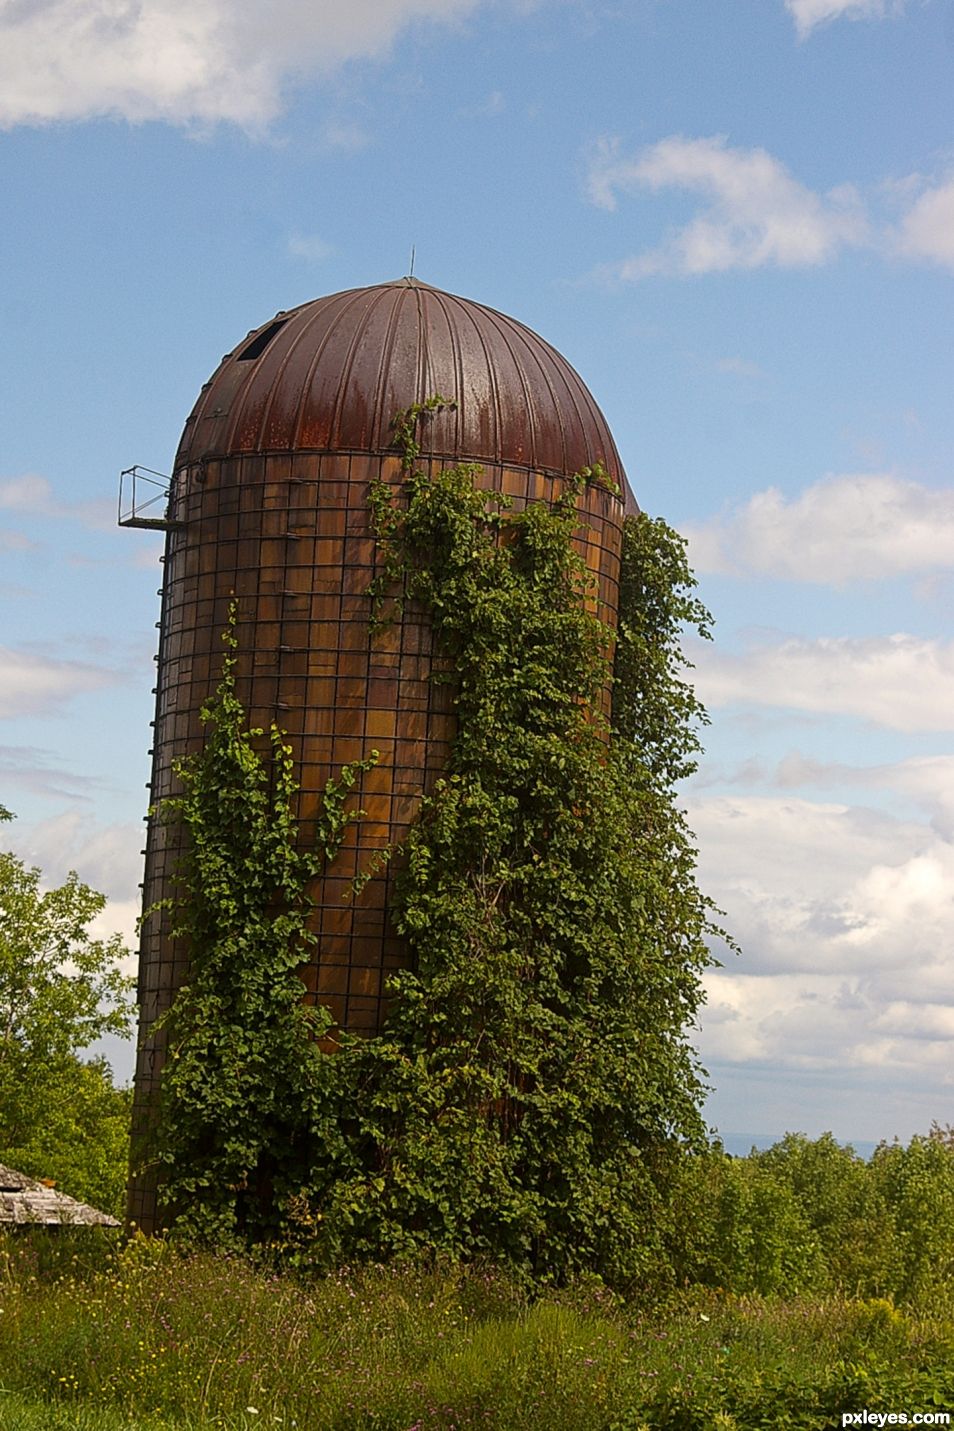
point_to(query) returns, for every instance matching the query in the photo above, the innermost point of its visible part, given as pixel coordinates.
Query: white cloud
(841, 529)
(345, 135)
(799, 879)
(34, 496)
(809, 13)
(36, 772)
(927, 230)
(830, 1024)
(34, 683)
(106, 857)
(309, 246)
(29, 493)
(120, 916)
(758, 214)
(845, 916)
(927, 780)
(904, 682)
(924, 783)
(187, 61)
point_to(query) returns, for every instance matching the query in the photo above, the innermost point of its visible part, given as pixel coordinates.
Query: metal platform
(144, 499)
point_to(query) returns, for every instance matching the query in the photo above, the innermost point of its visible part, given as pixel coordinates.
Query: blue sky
(736, 219)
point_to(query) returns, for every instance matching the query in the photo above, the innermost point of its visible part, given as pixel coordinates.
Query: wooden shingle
(25, 1201)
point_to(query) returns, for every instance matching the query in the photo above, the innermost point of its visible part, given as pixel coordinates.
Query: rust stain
(330, 375)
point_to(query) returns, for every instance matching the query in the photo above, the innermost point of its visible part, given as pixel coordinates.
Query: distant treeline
(811, 1215)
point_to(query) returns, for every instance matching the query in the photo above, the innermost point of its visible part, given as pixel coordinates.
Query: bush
(844, 1207)
(916, 1184)
(739, 1227)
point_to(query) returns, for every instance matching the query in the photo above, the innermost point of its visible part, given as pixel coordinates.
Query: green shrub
(811, 1215)
(916, 1184)
(737, 1226)
(844, 1207)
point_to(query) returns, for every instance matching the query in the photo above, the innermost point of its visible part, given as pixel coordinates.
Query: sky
(735, 218)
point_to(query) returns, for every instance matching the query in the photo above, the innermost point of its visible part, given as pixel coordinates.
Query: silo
(269, 501)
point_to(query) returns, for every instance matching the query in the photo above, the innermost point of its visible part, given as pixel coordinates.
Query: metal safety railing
(144, 499)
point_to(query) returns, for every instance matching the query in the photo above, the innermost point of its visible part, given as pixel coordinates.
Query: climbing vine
(534, 1082)
(244, 1081)
(534, 1087)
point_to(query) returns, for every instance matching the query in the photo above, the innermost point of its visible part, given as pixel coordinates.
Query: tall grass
(791, 1287)
(18, 1413)
(143, 1336)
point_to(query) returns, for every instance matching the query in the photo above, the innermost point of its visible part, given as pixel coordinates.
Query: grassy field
(19, 1413)
(98, 1338)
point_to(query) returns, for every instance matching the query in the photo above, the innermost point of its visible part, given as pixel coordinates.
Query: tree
(60, 990)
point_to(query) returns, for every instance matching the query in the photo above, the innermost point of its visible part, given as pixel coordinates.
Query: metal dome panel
(330, 375)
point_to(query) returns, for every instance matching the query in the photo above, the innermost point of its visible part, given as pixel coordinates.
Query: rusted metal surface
(264, 509)
(330, 376)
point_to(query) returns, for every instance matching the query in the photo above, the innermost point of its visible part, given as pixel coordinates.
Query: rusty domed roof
(332, 374)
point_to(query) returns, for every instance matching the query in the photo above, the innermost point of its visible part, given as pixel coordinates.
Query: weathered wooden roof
(25, 1200)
